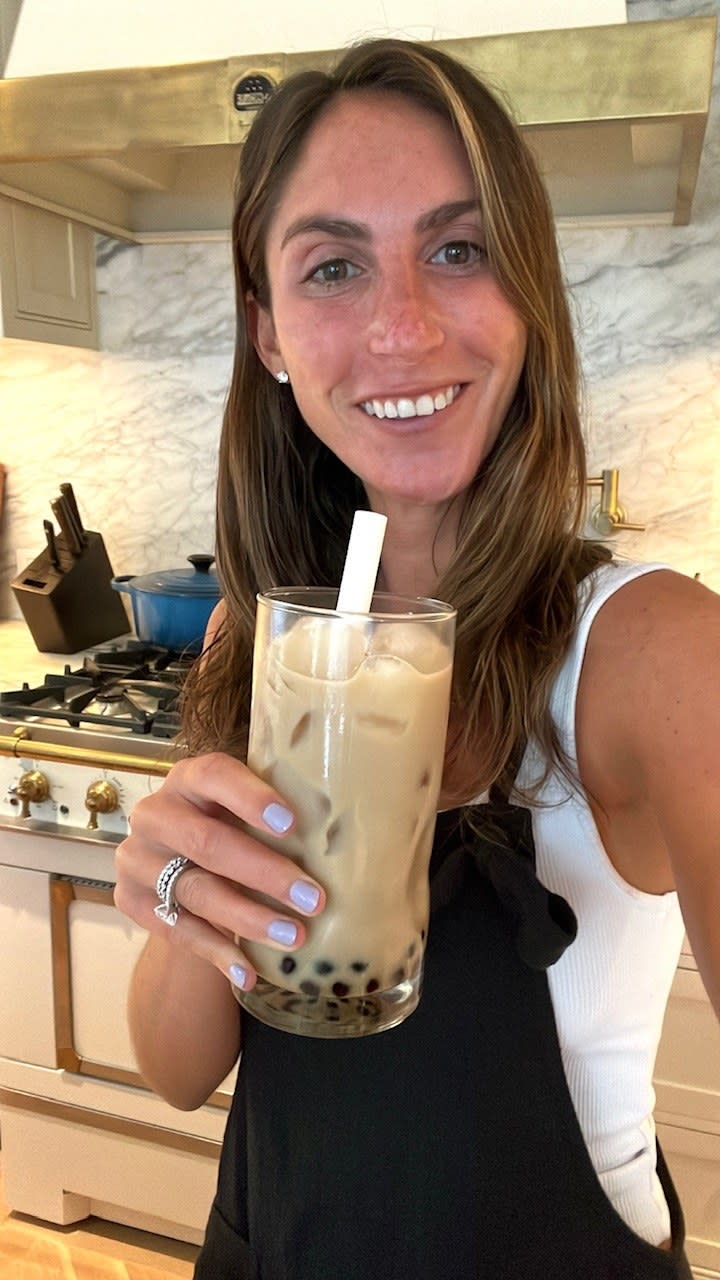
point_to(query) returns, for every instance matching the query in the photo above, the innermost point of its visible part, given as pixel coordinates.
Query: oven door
(81, 1133)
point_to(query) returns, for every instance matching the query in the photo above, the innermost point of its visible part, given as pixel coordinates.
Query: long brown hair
(285, 502)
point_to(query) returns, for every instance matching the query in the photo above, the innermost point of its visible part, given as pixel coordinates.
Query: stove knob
(100, 797)
(32, 788)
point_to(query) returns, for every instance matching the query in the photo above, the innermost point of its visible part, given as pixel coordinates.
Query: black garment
(447, 1148)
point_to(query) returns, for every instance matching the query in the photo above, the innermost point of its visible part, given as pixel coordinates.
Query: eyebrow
(344, 229)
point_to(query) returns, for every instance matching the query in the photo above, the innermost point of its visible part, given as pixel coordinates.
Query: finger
(189, 932)
(220, 779)
(210, 897)
(217, 900)
(174, 825)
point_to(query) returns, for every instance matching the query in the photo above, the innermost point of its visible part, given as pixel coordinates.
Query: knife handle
(68, 493)
(62, 514)
(51, 544)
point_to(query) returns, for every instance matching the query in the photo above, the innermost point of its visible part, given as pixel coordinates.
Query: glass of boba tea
(349, 722)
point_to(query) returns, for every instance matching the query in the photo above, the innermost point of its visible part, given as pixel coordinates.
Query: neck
(418, 546)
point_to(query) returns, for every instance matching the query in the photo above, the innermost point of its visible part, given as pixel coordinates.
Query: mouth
(424, 406)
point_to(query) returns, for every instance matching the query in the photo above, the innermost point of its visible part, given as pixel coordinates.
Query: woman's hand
(209, 809)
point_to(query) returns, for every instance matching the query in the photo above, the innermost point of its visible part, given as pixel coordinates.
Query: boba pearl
(287, 964)
(323, 967)
(359, 966)
(373, 985)
(340, 989)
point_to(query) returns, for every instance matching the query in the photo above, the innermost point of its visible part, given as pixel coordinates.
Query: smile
(423, 407)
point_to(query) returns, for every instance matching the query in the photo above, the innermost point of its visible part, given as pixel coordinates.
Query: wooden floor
(89, 1250)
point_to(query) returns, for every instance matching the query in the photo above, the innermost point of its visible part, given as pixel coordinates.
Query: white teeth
(423, 407)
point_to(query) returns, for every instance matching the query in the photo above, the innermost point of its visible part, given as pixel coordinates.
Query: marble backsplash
(135, 425)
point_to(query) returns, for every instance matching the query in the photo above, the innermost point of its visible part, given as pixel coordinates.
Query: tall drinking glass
(349, 721)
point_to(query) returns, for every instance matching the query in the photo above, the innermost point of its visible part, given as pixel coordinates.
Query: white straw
(362, 562)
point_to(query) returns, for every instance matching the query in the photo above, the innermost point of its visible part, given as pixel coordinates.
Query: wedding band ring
(168, 907)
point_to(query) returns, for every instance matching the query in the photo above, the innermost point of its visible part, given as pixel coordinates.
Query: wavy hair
(285, 502)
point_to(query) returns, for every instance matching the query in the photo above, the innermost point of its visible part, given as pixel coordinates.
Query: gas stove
(130, 689)
(79, 749)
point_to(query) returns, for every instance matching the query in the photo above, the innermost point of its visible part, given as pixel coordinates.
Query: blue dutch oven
(172, 608)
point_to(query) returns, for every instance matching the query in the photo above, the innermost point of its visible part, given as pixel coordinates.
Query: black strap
(544, 923)
(498, 838)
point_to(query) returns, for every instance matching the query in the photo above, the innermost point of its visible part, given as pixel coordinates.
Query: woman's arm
(184, 1024)
(184, 1020)
(648, 725)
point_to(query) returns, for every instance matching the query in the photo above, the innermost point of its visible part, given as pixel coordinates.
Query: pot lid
(198, 580)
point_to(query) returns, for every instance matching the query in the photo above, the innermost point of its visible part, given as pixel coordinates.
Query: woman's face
(402, 350)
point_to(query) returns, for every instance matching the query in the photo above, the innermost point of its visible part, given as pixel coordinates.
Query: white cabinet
(47, 277)
(25, 966)
(81, 1134)
(694, 1161)
(687, 1085)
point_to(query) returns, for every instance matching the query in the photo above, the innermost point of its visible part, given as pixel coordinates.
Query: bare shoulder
(648, 727)
(651, 680)
(656, 641)
(662, 598)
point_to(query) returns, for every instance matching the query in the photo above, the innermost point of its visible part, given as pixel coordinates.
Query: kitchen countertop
(20, 659)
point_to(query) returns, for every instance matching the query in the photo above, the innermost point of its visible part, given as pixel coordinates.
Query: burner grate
(130, 690)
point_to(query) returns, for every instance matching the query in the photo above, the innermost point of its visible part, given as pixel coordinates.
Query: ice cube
(325, 648)
(301, 729)
(383, 724)
(261, 748)
(334, 835)
(415, 643)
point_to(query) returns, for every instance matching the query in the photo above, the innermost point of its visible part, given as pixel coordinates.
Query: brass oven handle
(22, 746)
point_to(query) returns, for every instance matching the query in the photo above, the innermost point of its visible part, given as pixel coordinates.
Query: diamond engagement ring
(168, 906)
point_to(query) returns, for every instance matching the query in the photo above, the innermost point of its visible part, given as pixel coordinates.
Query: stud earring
(282, 375)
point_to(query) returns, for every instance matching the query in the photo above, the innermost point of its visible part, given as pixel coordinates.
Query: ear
(262, 334)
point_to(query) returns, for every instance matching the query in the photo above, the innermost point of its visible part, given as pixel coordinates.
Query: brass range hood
(615, 114)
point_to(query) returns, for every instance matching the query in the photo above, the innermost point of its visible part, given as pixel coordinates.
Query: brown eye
(458, 253)
(334, 271)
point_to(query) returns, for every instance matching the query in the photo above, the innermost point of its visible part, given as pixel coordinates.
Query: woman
(404, 343)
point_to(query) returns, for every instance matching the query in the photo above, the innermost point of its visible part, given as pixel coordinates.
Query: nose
(404, 322)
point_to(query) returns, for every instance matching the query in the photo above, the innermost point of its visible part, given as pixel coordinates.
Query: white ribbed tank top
(610, 988)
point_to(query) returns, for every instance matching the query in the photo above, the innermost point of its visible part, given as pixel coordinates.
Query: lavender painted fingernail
(238, 975)
(278, 818)
(304, 895)
(283, 931)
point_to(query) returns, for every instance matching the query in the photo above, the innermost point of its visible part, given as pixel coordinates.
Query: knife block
(72, 607)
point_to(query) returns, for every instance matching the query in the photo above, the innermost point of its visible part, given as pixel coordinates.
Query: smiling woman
(404, 344)
(390, 307)
(394, 243)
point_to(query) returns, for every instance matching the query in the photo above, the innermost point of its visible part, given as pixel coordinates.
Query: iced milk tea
(349, 720)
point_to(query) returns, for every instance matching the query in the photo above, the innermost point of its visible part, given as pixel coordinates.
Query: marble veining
(166, 300)
(135, 426)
